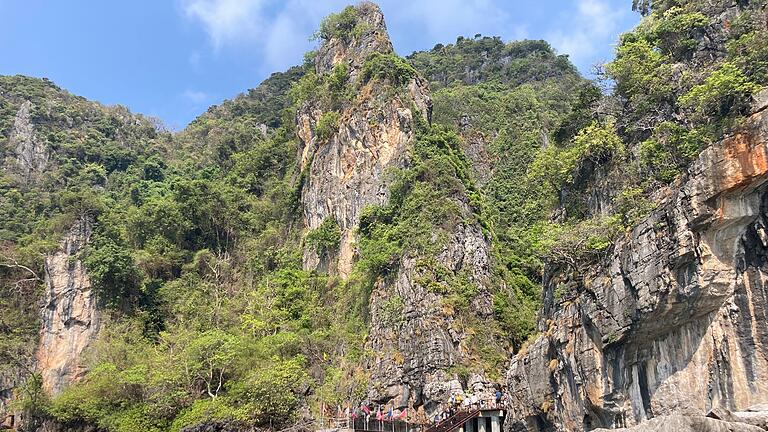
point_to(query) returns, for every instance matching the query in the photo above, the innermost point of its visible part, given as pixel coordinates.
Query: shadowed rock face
(70, 318)
(674, 321)
(414, 350)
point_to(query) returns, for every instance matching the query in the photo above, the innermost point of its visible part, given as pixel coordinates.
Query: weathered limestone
(30, 156)
(673, 322)
(70, 317)
(414, 337)
(425, 339)
(679, 423)
(373, 38)
(349, 171)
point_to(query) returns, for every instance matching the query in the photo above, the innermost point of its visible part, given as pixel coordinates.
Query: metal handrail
(455, 421)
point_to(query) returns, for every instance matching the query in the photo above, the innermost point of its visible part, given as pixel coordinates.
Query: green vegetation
(209, 313)
(724, 91)
(343, 25)
(388, 67)
(511, 99)
(595, 143)
(326, 237)
(327, 125)
(749, 53)
(329, 92)
(488, 59)
(678, 31)
(197, 238)
(678, 96)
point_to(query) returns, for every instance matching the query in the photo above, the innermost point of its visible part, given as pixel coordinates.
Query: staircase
(455, 421)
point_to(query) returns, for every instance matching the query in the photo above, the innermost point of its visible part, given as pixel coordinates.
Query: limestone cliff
(70, 317)
(415, 351)
(29, 155)
(673, 321)
(350, 170)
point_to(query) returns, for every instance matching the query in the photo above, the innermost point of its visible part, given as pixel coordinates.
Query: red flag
(366, 410)
(404, 414)
(379, 415)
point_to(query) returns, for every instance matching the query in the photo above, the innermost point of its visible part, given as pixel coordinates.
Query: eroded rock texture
(349, 170)
(30, 156)
(417, 344)
(70, 317)
(414, 338)
(674, 321)
(680, 423)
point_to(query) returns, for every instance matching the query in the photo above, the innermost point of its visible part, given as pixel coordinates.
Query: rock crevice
(668, 324)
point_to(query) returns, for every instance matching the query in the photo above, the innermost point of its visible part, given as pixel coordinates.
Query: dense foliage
(197, 236)
(685, 76)
(507, 103)
(488, 59)
(343, 25)
(91, 153)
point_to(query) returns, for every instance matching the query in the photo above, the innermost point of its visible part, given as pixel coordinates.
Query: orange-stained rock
(70, 316)
(674, 321)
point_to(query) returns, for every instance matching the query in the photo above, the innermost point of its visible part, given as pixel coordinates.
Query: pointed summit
(351, 36)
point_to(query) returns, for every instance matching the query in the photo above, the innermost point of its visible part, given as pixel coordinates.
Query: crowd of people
(470, 401)
(376, 416)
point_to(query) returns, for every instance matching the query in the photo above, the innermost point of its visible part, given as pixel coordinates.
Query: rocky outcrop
(30, 156)
(70, 317)
(349, 170)
(673, 321)
(680, 423)
(354, 50)
(415, 337)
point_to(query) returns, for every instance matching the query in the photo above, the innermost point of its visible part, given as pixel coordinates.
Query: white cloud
(196, 97)
(279, 30)
(226, 21)
(594, 26)
(282, 28)
(276, 32)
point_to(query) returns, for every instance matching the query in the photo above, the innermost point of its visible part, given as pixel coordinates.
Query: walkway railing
(455, 421)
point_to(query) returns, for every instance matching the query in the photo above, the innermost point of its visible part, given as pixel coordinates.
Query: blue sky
(173, 58)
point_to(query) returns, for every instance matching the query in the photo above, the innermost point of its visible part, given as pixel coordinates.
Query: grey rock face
(418, 341)
(350, 170)
(8, 381)
(30, 156)
(70, 316)
(414, 336)
(673, 322)
(679, 423)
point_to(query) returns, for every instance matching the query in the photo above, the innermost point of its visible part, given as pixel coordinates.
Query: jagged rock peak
(351, 36)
